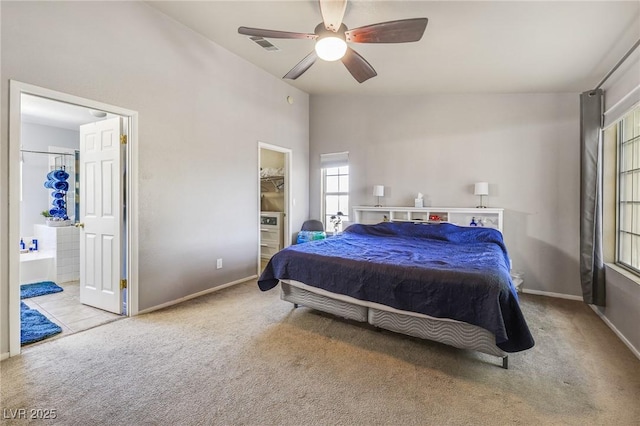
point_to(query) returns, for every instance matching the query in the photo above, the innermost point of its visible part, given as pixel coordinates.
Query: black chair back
(312, 225)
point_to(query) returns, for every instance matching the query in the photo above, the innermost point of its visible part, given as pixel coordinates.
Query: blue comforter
(443, 271)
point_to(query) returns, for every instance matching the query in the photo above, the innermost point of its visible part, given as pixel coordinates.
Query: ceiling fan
(332, 36)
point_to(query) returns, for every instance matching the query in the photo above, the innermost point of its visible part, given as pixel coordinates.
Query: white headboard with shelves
(488, 217)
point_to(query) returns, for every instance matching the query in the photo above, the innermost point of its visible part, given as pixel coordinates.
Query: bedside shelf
(487, 217)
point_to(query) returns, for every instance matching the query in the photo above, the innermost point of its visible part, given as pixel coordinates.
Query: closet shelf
(276, 181)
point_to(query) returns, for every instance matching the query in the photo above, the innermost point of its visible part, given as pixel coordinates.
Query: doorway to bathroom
(274, 170)
(72, 156)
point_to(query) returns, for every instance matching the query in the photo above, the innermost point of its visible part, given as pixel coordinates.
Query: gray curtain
(591, 259)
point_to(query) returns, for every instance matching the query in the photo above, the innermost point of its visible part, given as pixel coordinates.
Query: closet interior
(272, 202)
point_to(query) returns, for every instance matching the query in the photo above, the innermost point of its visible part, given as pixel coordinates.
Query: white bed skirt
(448, 331)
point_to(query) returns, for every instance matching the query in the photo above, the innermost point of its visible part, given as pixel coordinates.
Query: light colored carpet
(240, 356)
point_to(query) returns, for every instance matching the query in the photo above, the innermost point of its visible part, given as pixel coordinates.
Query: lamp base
(481, 203)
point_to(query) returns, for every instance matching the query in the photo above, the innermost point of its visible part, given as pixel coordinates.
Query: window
(628, 241)
(335, 188)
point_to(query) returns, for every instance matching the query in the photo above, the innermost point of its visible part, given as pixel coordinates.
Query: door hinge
(123, 139)
(123, 284)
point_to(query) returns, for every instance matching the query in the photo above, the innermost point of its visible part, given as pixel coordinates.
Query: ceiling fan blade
(359, 68)
(274, 33)
(332, 13)
(302, 66)
(401, 31)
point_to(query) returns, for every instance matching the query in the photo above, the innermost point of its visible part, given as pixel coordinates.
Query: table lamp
(481, 189)
(378, 191)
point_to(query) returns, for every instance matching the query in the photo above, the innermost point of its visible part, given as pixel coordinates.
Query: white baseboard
(615, 330)
(4, 356)
(193, 296)
(550, 294)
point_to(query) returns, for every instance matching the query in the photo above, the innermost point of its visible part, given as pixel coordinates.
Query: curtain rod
(606, 77)
(46, 152)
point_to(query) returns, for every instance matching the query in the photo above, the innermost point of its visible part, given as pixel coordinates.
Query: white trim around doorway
(16, 89)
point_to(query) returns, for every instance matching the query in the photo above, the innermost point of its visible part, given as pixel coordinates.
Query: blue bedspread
(443, 270)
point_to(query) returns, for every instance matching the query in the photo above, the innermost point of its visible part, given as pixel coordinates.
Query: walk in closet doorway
(274, 171)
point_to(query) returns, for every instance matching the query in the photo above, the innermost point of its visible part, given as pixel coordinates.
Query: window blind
(623, 91)
(336, 159)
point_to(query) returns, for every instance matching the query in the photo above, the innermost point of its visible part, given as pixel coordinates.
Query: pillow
(304, 236)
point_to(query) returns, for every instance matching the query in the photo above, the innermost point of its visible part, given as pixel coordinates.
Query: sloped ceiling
(468, 47)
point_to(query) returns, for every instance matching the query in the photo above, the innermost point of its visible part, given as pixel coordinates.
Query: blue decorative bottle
(473, 222)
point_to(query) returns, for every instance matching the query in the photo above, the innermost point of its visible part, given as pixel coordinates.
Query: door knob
(79, 225)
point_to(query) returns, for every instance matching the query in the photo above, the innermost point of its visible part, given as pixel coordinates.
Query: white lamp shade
(378, 190)
(481, 188)
(331, 48)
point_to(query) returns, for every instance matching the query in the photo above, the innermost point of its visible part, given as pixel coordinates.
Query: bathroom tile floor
(64, 308)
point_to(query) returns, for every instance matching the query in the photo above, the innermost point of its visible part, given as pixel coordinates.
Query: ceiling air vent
(263, 43)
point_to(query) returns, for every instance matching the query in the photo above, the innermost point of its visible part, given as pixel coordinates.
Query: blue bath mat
(34, 326)
(38, 289)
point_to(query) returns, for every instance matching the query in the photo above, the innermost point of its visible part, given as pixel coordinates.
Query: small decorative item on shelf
(336, 220)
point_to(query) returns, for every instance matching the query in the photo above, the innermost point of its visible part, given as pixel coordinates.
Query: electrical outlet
(219, 264)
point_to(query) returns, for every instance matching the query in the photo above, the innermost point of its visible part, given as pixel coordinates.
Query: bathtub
(37, 266)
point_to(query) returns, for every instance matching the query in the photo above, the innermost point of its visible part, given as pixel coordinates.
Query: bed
(440, 282)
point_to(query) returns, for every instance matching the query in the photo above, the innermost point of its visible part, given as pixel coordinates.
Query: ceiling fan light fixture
(331, 48)
(332, 35)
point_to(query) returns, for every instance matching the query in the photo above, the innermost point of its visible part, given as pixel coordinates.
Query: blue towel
(58, 194)
(59, 174)
(60, 186)
(59, 203)
(59, 212)
(57, 185)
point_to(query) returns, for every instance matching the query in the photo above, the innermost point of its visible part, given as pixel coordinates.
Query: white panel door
(101, 214)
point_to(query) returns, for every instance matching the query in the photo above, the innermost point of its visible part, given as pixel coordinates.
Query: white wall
(526, 146)
(202, 111)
